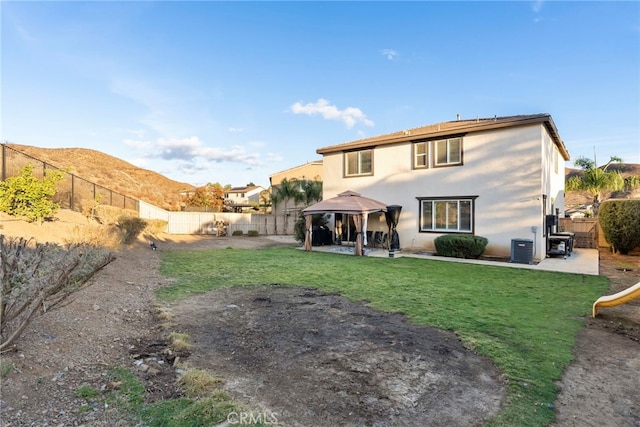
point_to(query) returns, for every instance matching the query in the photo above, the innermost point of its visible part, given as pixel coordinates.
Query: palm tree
(265, 200)
(311, 192)
(596, 180)
(284, 192)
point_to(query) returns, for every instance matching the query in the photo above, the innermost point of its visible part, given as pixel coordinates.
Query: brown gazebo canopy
(348, 202)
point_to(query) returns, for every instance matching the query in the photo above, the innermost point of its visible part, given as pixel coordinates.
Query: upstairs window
(421, 155)
(442, 152)
(359, 163)
(448, 152)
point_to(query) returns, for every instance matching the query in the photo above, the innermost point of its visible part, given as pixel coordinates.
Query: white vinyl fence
(209, 222)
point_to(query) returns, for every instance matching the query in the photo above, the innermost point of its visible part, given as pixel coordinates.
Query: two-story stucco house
(493, 177)
(244, 199)
(310, 171)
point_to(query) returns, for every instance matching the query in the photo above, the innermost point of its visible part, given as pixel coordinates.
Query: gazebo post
(357, 220)
(346, 203)
(307, 235)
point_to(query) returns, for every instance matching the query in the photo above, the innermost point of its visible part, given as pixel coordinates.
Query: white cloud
(349, 116)
(139, 133)
(236, 130)
(191, 149)
(537, 5)
(136, 143)
(390, 54)
(274, 157)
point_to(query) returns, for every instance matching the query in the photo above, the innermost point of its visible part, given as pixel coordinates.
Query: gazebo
(348, 202)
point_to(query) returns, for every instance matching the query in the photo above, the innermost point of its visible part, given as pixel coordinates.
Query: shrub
(131, 227)
(109, 215)
(620, 222)
(237, 233)
(27, 196)
(253, 233)
(155, 226)
(95, 235)
(36, 278)
(299, 227)
(461, 245)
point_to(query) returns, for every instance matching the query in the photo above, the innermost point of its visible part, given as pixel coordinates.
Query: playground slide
(621, 297)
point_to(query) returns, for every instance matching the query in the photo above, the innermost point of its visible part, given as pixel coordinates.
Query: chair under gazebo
(351, 203)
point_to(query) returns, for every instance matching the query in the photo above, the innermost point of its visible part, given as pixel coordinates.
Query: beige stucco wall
(503, 168)
(311, 171)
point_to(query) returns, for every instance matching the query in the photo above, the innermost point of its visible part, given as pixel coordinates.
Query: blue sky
(232, 92)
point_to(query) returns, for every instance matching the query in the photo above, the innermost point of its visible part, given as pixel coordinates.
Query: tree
(311, 192)
(620, 222)
(26, 196)
(596, 180)
(284, 192)
(209, 196)
(265, 200)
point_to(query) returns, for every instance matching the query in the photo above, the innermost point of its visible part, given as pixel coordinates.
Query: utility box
(522, 251)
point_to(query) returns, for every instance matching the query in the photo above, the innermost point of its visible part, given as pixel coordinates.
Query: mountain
(578, 198)
(112, 173)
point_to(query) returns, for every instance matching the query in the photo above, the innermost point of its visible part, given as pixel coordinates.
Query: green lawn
(526, 321)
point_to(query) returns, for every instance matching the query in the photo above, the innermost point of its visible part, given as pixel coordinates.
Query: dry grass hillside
(112, 173)
(125, 178)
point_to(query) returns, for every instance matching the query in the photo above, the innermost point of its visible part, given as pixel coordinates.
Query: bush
(109, 215)
(461, 245)
(131, 227)
(36, 278)
(95, 235)
(620, 222)
(27, 196)
(253, 233)
(299, 227)
(155, 226)
(237, 233)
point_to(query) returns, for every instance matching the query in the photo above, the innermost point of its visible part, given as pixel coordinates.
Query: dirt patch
(312, 358)
(602, 385)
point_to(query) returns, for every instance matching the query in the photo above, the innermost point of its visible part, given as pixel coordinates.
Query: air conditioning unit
(522, 251)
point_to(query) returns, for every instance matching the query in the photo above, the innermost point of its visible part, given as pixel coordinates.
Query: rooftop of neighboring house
(453, 128)
(245, 189)
(310, 170)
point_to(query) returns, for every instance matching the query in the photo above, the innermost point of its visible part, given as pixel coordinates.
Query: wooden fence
(213, 222)
(587, 232)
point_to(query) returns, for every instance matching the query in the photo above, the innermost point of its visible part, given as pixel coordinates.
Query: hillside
(113, 173)
(578, 198)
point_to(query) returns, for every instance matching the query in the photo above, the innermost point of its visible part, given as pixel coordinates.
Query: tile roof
(242, 189)
(453, 128)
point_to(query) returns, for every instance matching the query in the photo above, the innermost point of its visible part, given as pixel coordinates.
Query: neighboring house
(310, 171)
(493, 177)
(243, 199)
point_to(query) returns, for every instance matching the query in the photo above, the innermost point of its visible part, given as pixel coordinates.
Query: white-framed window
(447, 215)
(555, 160)
(421, 154)
(448, 152)
(358, 163)
(441, 152)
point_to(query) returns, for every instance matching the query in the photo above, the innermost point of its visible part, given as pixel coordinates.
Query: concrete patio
(581, 261)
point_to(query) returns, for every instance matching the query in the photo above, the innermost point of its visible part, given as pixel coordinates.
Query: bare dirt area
(311, 358)
(602, 386)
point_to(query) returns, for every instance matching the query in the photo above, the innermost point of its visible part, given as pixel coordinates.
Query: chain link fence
(73, 193)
